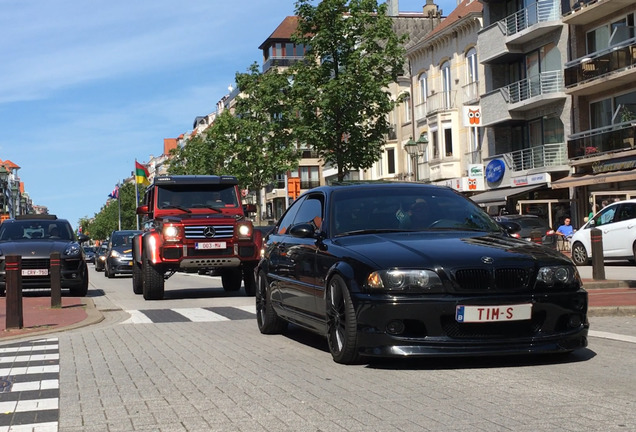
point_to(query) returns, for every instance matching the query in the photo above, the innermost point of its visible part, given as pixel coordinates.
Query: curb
(604, 311)
(93, 316)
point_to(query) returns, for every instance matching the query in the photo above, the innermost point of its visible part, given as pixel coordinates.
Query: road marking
(200, 315)
(612, 336)
(210, 314)
(29, 390)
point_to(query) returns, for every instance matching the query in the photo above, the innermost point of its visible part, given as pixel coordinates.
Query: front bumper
(558, 324)
(73, 273)
(121, 265)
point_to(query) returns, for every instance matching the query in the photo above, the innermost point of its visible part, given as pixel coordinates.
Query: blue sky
(87, 87)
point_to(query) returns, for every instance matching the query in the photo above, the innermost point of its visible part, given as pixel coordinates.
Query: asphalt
(608, 297)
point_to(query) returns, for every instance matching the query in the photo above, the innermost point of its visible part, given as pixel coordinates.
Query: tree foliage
(107, 220)
(254, 142)
(342, 88)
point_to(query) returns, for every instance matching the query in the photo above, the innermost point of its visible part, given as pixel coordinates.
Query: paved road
(221, 374)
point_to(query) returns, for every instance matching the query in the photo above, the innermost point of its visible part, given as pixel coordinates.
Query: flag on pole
(141, 174)
(115, 193)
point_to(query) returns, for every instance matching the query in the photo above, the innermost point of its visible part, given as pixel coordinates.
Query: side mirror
(303, 230)
(142, 210)
(83, 238)
(249, 208)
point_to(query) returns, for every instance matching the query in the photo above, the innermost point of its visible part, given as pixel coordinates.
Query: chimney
(392, 9)
(430, 9)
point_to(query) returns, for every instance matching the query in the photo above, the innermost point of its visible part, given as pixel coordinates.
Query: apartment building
(600, 77)
(446, 148)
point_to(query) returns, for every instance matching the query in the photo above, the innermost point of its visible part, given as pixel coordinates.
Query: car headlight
(557, 275)
(172, 233)
(114, 254)
(72, 250)
(244, 231)
(406, 281)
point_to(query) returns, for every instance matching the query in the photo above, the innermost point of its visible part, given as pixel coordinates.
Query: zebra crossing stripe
(209, 314)
(200, 315)
(29, 386)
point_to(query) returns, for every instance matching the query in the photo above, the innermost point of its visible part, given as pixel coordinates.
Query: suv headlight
(244, 230)
(406, 281)
(557, 275)
(114, 254)
(172, 233)
(72, 250)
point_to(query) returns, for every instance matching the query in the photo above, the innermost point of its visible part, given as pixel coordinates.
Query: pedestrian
(565, 230)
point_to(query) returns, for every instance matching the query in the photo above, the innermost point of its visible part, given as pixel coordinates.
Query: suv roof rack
(36, 216)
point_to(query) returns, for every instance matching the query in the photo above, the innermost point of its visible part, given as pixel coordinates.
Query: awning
(603, 178)
(499, 196)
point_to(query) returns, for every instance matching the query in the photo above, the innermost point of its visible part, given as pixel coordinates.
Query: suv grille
(199, 232)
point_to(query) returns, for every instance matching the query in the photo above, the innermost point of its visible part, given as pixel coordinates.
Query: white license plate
(472, 314)
(210, 245)
(35, 272)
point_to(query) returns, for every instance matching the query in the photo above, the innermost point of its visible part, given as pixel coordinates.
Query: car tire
(342, 336)
(249, 279)
(137, 279)
(231, 279)
(153, 281)
(579, 254)
(80, 291)
(266, 318)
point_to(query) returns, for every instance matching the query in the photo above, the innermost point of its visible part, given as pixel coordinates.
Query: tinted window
(627, 211)
(310, 211)
(288, 217)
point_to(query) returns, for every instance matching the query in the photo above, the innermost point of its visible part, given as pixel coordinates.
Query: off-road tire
(153, 281)
(137, 279)
(249, 279)
(231, 279)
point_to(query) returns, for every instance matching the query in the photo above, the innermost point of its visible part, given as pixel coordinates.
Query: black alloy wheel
(341, 323)
(266, 318)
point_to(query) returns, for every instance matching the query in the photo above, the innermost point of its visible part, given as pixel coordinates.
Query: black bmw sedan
(406, 269)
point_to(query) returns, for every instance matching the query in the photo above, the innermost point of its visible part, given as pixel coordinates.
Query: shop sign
(464, 184)
(472, 116)
(475, 170)
(495, 170)
(531, 179)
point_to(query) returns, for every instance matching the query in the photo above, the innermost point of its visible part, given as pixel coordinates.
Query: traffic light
(293, 187)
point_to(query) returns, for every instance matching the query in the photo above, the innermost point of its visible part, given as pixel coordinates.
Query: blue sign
(495, 170)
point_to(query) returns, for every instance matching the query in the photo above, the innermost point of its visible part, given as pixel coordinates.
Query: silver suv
(617, 223)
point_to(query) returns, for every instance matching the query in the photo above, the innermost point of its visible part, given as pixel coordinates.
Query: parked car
(100, 256)
(404, 269)
(119, 253)
(89, 253)
(34, 237)
(531, 224)
(617, 223)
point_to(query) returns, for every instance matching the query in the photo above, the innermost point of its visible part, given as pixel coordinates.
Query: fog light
(579, 303)
(395, 327)
(574, 321)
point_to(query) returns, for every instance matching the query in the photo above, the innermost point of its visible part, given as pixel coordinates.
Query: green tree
(254, 142)
(107, 220)
(342, 88)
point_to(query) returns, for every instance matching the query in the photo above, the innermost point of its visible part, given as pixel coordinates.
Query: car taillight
(172, 233)
(549, 232)
(515, 235)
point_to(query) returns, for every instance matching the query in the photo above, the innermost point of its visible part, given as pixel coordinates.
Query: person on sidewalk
(566, 230)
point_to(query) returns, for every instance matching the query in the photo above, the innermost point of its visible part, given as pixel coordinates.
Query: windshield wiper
(183, 209)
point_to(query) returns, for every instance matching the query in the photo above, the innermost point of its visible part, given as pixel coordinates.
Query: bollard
(56, 281)
(598, 260)
(13, 280)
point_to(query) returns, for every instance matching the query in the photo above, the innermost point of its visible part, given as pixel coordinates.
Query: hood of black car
(33, 248)
(445, 249)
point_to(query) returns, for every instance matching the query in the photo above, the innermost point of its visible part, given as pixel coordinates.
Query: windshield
(197, 196)
(406, 209)
(27, 230)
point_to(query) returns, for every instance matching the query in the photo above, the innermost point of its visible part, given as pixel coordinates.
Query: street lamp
(411, 149)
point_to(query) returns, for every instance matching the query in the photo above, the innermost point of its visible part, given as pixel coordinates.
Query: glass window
(448, 141)
(288, 217)
(601, 113)
(423, 87)
(471, 65)
(446, 83)
(407, 109)
(310, 211)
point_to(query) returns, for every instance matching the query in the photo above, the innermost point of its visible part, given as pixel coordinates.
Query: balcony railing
(276, 61)
(471, 92)
(601, 63)
(538, 157)
(442, 101)
(544, 83)
(541, 11)
(309, 184)
(594, 142)
(421, 111)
